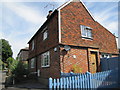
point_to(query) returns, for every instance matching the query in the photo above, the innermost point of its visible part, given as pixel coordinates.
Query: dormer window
(86, 32)
(45, 33)
(33, 45)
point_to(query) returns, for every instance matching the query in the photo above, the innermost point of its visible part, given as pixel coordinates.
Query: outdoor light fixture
(67, 48)
(55, 49)
(74, 56)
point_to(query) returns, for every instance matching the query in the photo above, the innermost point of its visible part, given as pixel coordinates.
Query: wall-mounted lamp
(55, 49)
(67, 48)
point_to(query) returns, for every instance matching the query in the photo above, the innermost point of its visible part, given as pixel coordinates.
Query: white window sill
(88, 38)
(32, 67)
(45, 66)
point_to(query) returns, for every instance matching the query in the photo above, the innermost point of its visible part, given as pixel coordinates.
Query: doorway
(94, 62)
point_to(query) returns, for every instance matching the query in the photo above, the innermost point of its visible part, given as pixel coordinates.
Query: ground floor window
(106, 55)
(45, 59)
(32, 62)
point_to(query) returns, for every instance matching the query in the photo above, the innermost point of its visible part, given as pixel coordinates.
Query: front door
(93, 62)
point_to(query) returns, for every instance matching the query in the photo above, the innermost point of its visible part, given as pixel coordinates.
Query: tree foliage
(19, 71)
(10, 62)
(1, 63)
(5, 49)
(16, 71)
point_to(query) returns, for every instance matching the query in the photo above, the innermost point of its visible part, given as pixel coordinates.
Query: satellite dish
(67, 48)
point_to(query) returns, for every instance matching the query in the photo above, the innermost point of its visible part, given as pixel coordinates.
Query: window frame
(45, 31)
(32, 63)
(33, 45)
(106, 55)
(45, 56)
(45, 35)
(86, 32)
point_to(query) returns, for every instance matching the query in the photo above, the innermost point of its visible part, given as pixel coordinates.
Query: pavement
(2, 79)
(29, 85)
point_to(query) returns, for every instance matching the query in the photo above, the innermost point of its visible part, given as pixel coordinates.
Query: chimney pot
(50, 12)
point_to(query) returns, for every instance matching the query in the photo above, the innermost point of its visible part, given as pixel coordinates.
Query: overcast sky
(21, 20)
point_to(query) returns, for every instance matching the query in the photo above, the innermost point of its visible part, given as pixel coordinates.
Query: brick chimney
(50, 12)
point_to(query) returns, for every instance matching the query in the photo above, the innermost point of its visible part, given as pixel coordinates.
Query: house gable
(74, 14)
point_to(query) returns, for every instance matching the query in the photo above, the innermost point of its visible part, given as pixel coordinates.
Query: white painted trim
(45, 66)
(88, 10)
(62, 6)
(59, 26)
(42, 59)
(59, 16)
(44, 29)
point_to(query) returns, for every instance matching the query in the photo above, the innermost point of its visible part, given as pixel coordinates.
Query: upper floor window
(45, 33)
(45, 59)
(33, 45)
(32, 62)
(86, 31)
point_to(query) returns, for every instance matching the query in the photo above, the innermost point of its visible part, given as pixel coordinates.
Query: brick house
(70, 40)
(23, 55)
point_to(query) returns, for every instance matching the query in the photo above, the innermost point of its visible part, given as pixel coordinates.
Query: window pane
(83, 30)
(89, 34)
(32, 44)
(45, 59)
(32, 63)
(45, 34)
(86, 31)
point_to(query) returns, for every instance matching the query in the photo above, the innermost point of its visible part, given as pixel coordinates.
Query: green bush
(17, 70)
(20, 71)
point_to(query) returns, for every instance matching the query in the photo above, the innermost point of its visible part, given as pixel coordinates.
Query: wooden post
(90, 80)
(50, 83)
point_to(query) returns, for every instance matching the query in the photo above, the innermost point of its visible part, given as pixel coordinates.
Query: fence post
(50, 83)
(90, 80)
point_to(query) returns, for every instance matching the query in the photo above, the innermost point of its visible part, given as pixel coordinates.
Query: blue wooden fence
(106, 79)
(109, 63)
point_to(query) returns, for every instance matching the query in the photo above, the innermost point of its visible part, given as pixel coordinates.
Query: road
(2, 79)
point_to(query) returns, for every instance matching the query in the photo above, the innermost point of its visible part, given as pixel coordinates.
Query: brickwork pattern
(72, 16)
(68, 62)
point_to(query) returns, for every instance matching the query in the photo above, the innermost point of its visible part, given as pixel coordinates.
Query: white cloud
(32, 19)
(32, 16)
(104, 17)
(27, 13)
(32, 0)
(100, 0)
(17, 42)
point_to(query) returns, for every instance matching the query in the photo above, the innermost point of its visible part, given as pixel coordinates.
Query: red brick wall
(52, 40)
(72, 16)
(54, 69)
(78, 64)
(43, 46)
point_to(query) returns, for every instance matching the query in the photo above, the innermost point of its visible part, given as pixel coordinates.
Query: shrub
(20, 71)
(16, 70)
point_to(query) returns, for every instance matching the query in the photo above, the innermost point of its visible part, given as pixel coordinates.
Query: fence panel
(106, 79)
(109, 63)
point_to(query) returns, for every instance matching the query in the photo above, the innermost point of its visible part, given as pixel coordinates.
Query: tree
(10, 61)
(19, 71)
(5, 49)
(1, 63)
